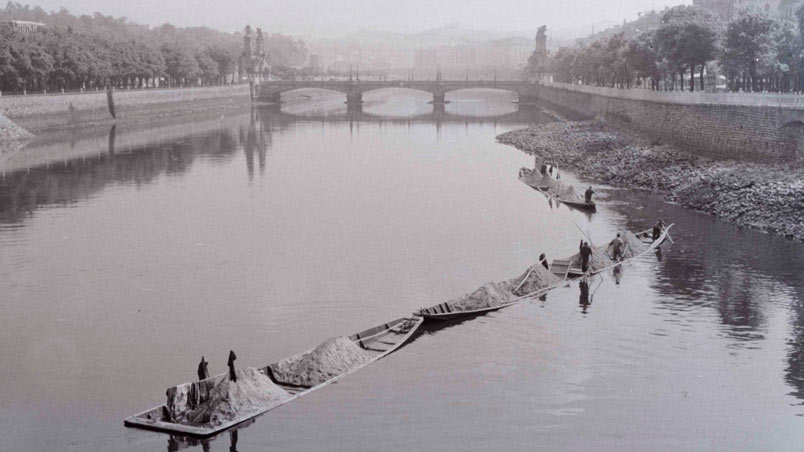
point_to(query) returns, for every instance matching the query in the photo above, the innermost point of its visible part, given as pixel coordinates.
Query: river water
(126, 257)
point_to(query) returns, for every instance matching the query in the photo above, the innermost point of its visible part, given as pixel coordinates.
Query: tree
(687, 38)
(180, 62)
(641, 57)
(562, 65)
(73, 52)
(747, 42)
(785, 57)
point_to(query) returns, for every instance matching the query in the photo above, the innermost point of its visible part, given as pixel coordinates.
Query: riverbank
(45, 113)
(766, 197)
(12, 136)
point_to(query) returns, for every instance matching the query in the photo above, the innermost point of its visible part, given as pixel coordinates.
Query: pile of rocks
(766, 197)
(9, 131)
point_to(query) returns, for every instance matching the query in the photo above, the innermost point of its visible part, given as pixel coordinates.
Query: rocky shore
(769, 198)
(10, 131)
(12, 137)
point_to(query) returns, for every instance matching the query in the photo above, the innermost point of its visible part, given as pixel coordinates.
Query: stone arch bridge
(272, 90)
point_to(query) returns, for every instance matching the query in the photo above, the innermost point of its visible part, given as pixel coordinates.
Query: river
(125, 257)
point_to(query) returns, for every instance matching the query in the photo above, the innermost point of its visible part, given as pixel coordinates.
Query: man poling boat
(538, 280)
(214, 404)
(554, 189)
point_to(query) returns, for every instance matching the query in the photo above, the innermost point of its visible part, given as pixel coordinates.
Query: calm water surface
(124, 259)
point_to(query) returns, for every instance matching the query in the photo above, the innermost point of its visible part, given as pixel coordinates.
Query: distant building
(729, 9)
(482, 59)
(315, 61)
(22, 26)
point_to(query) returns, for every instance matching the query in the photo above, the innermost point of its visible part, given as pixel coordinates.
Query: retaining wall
(741, 127)
(41, 112)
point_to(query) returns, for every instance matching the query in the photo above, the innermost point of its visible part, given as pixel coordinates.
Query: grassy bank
(769, 198)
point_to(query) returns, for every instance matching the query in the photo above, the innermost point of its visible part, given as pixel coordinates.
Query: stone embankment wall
(749, 127)
(42, 112)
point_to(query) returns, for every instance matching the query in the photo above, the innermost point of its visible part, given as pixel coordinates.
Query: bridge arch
(485, 88)
(400, 87)
(354, 89)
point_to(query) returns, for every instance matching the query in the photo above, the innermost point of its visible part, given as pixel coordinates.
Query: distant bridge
(271, 91)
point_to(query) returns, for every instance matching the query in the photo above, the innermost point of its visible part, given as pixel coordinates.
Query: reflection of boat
(566, 269)
(379, 341)
(546, 184)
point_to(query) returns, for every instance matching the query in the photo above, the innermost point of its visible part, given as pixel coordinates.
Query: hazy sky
(335, 17)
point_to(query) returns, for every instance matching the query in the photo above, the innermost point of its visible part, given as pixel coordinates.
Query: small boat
(545, 183)
(579, 205)
(566, 269)
(380, 340)
(443, 311)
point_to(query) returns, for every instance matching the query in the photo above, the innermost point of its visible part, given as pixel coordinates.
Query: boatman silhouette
(203, 372)
(232, 358)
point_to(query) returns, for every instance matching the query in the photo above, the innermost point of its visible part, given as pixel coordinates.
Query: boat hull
(390, 336)
(443, 311)
(578, 205)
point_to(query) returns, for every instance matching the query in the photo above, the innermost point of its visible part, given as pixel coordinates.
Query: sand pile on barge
(597, 261)
(565, 192)
(330, 359)
(633, 246)
(487, 296)
(535, 278)
(228, 400)
(534, 179)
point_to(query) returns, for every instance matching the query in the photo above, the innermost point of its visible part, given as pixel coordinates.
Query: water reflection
(738, 274)
(63, 183)
(257, 141)
(723, 280)
(177, 443)
(617, 272)
(583, 299)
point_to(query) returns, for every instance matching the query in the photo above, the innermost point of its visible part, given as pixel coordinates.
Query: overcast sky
(337, 17)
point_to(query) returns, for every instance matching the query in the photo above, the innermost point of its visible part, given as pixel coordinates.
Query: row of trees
(754, 51)
(73, 52)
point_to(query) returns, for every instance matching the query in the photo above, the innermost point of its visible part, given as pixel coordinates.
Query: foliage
(687, 38)
(754, 51)
(73, 52)
(747, 46)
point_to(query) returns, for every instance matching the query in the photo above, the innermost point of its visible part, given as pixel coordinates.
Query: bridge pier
(354, 108)
(439, 98)
(274, 98)
(526, 99)
(354, 98)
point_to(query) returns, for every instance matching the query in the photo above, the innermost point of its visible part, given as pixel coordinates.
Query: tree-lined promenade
(755, 52)
(87, 52)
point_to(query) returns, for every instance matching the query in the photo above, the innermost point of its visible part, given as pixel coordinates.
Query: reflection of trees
(795, 353)
(736, 273)
(22, 192)
(255, 140)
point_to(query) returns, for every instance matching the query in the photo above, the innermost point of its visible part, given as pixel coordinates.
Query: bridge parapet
(270, 90)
